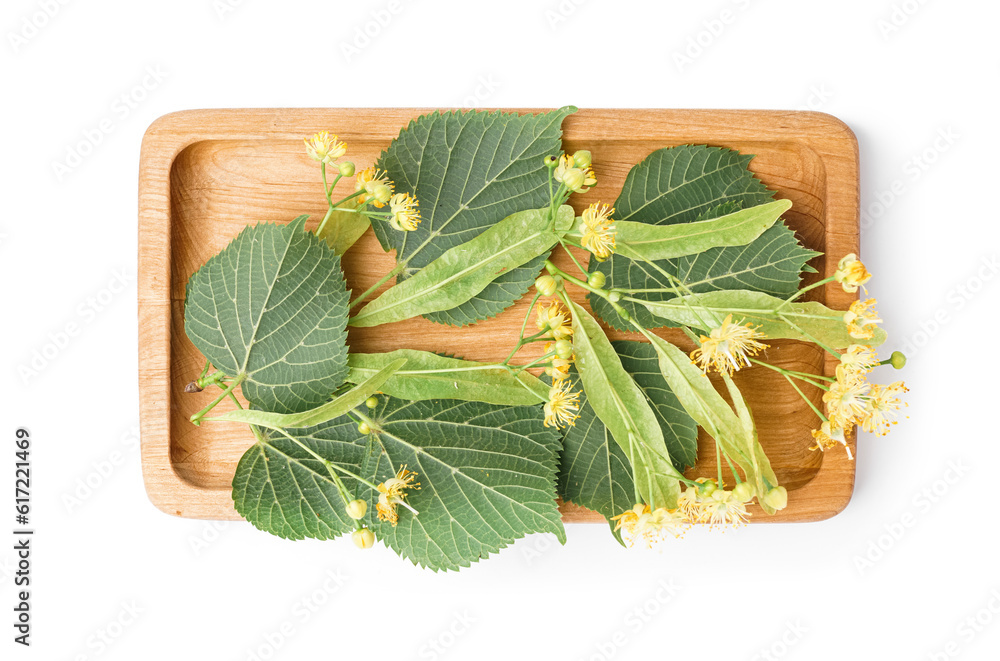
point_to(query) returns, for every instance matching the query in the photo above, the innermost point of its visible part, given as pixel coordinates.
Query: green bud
(623, 313)
(371, 402)
(550, 161)
(363, 428)
(546, 285)
(897, 360)
(776, 498)
(574, 179)
(743, 492)
(364, 538)
(564, 349)
(707, 488)
(614, 297)
(581, 158)
(346, 169)
(382, 193)
(356, 509)
(597, 280)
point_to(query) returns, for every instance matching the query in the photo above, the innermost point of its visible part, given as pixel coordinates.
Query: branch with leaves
(447, 460)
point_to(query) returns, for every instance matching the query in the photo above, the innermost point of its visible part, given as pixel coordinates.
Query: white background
(901, 74)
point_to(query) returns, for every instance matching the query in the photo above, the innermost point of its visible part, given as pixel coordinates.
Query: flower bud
(363, 428)
(346, 169)
(597, 280)
(550, 161)
(364, 538)
(546, 285)
(382, 193)
(707, 488)
(897, 360)
(743, 492)
(623, 313)
(776, 498)
(371, 402)
(581, 158)
(564, 349)
(614, 297)
(574, 179)
(356, 509)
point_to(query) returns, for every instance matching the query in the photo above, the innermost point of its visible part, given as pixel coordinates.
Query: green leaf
(688, 184)
(432, 376)
(469, 170)
(623, 408)
(643, 241)
(776, 318)
(271, 310)
(332, 409)
(700, 399)
(344, 228)
(594, 471)
(460, 273)
(487, 477)
(763, 475)
(284, 489)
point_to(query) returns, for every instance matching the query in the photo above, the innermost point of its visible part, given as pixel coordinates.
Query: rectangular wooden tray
(205, 174)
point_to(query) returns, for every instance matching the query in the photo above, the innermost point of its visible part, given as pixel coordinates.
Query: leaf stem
(196, 418)
(368, 292)
(806, 399)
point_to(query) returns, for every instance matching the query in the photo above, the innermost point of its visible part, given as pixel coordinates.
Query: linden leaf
(469, 170)
(271, 310)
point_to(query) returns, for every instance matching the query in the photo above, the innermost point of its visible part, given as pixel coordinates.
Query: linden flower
(368, 180)
(851, 273)
(574, 178)
(728, 348)
(828, 435)
(554, 321)
(561, 409)
(883, 403)
(861, 319)
(324, 147)
(392, 492)
(405, 215)
(641, 525)
(847, 400)
(858, 359)
(598, 231)
(558, 368)
(722, 508)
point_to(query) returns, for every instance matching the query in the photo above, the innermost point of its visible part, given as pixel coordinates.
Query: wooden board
(204, 174)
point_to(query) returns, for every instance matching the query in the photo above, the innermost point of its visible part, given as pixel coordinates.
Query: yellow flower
(598, 231)
(368, 180)
(553, 320)
(392, 492)
(558, 367)
(561, 409)
(728, 348)
(883, 403)
(649, 527)
(324, 147)
(858, 359)
(829, 435)
(405, 215)
(576, 179)
(847, 399)
(851, 273)
(861, 319)
(718, 508)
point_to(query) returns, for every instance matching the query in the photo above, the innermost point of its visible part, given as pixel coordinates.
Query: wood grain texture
(205, 174)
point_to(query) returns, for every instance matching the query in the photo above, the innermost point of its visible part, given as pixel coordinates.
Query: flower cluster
(851, 400)
(574, 172)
